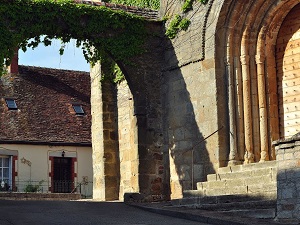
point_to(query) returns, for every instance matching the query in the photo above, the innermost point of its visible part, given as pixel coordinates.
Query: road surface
(80, 213)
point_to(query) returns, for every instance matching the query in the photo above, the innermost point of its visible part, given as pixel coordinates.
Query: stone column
(239, 108)
(104, 134)
(97, 133)
(231, 108)
(263, 122)
(249, 156)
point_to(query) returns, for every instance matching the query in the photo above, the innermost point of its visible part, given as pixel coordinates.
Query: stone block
(133, 197)
(261, 172)
(216, 185)
(289, 192)
(262, 188)
(281, 175)
(289, 156)
(235, 183)
(201, 185)
(230, 169)
(212, 177)
(216, 191)
(242, 190)
(258, 180)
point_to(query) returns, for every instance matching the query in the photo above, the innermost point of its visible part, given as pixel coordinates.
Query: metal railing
(84, 188)
(193, 149)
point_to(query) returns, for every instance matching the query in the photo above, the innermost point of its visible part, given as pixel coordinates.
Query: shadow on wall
(288, 196)
(185, 146)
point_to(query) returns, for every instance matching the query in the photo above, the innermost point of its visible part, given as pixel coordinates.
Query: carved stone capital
(260, 58)
(244, 59)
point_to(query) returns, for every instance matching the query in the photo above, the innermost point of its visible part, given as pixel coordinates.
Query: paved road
(80, 213)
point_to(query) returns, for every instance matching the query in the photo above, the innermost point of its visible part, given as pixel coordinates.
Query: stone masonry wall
(127, 142)
(288, 179)
(190, 101)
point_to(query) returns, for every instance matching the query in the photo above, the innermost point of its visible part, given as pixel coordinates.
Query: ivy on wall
(152, 4)
(99, 29)
(178, 22)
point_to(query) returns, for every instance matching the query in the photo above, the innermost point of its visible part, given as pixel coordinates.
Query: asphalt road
(80, 213)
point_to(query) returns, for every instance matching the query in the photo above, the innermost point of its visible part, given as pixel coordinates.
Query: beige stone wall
(128, 149)
(288, 183)
(191, 107)
(288, 75)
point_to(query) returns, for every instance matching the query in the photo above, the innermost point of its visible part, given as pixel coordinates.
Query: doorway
(62, 175)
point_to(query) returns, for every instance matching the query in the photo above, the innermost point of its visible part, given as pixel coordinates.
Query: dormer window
(11, 104)
(78, 109)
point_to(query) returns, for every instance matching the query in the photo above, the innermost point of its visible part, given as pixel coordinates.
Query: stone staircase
(244, 190)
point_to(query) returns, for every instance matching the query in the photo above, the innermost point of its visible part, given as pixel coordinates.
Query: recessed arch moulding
(246, 38)
(235, 86)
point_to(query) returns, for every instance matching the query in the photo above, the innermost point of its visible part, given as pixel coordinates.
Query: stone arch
(144, 83)
(249, 55)
(287, 62)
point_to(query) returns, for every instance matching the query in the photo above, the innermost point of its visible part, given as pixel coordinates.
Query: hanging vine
(96, 29)
(152, 4)
(179, 23)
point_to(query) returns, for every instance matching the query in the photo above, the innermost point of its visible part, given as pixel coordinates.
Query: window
(11, 104)
(78, 109)
(5, 177)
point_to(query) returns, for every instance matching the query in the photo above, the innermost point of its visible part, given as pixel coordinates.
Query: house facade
(45, 141)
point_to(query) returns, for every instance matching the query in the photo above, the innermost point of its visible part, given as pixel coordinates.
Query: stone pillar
(288, 182)
(249, 156)
(231, 108)
(104, 136)
(239, 108)
(97, 133)
(263, 122)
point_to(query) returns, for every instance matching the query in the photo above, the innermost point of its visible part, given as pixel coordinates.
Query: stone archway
(250, 73)
(144, 83)
(288, 73)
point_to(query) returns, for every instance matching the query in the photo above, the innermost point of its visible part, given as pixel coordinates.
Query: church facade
(218, 95)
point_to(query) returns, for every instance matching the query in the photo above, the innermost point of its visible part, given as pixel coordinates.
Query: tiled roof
(44, 98)
(149, 14)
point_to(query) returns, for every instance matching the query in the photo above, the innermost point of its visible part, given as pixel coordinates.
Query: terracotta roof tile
(44, 99)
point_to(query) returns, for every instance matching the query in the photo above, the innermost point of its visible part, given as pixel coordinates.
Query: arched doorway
(251, 66)
(288, 73)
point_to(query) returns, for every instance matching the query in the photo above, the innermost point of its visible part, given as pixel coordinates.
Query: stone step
(268, 196)
(253, 183)
(252, 213)
(246, 167)
(240, 205)
(272, 172)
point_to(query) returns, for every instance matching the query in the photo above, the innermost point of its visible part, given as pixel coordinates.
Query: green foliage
(98, 29)
(118, 75)
(178, 23)
(152, 4)
(33, 188)
(187, 5)
(110, 71)
(203, 1)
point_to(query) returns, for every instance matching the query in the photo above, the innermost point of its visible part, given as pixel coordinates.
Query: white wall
(33, 164)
